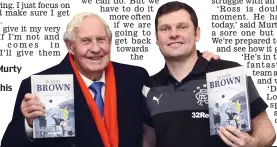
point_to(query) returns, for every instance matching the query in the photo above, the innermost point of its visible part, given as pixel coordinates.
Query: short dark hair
(175, 6)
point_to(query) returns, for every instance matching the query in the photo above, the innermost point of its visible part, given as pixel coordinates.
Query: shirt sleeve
(257, 104)
(147, 119)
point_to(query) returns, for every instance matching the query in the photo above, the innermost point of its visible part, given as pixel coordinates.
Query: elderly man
(88, 39)
(172, 95)
(119, 124)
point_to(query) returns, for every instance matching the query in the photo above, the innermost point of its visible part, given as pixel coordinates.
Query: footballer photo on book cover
(56, 93)
(228, 99)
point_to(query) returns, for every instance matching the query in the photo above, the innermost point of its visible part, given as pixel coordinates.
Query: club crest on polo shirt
(200, 94)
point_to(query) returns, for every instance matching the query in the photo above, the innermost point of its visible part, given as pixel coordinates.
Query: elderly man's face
(91, 46)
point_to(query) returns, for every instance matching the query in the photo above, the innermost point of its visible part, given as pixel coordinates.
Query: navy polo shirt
(179, 116)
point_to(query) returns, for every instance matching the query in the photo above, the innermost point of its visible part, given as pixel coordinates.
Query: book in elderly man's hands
(57, 94)
(228, 99)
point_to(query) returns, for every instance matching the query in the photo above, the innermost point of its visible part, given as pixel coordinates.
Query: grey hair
(77, 20)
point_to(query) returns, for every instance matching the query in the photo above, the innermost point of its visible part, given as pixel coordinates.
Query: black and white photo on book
(57, 94)
(228, 99)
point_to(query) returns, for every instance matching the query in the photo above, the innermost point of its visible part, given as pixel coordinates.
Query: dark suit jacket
(129, 82)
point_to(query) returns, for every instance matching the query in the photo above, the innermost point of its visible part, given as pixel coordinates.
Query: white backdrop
(152, 60)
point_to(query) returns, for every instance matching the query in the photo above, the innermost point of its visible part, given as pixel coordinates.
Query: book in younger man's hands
(228, 99)
(57, 94)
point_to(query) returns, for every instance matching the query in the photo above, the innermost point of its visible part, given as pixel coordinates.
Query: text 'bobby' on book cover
(228, 99)
(57, 94)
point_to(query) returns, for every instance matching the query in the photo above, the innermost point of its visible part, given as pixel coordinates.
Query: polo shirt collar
(199, 67)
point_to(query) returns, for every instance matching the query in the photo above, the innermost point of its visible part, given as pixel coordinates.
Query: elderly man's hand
(236, 138)
(209, 55)
(31, 107)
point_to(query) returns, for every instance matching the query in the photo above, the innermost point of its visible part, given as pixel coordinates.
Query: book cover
(228, 99)
(57, 94)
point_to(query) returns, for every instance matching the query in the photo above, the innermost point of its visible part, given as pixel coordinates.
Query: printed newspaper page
(31, 39)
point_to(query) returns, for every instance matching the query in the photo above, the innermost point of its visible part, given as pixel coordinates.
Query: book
(57, 94)
(228, 99)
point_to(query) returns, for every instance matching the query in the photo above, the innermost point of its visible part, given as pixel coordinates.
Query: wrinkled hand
(209, 55)
(31, 107)
(236, 138)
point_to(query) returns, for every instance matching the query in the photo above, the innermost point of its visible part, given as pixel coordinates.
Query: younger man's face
(176, 35)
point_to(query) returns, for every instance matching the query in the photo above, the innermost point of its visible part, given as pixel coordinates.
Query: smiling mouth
(175, 44)
(96, 58)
